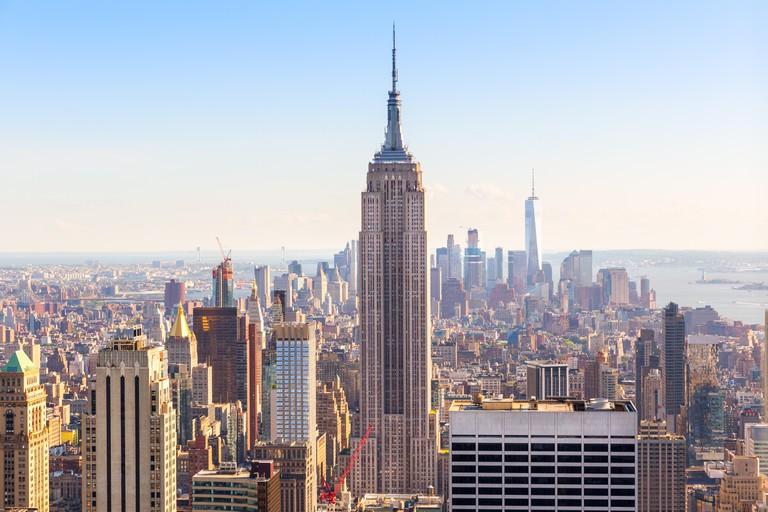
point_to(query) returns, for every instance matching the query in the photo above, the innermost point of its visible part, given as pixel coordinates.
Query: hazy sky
(159, 125)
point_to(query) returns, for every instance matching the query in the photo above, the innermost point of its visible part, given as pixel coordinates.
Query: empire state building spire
(393, 149)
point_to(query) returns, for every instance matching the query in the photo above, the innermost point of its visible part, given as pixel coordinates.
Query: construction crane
(224, 256)
(328, 493)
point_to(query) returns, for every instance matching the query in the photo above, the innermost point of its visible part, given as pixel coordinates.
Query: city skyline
(140, 127)
(461, 342)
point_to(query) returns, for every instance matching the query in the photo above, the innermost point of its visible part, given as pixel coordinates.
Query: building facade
(220, 340)
(756, 443)
(661, 463)
(543, 455)
(256, 344)
(24, 440)
(129, 432)
(547, 380)
(237, 489)
(294, 410)
(674, 364)
(223, 285)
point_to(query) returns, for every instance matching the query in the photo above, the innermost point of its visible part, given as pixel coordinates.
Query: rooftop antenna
(394, 64)
(533, 183)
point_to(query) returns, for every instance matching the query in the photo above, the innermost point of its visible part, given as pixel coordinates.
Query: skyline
(143, 128)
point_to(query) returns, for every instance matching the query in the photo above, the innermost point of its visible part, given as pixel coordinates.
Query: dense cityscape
(401, 373)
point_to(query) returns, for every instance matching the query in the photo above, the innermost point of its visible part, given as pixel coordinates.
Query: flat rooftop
(554, 405)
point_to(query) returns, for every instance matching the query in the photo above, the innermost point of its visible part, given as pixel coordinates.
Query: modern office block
(543, 455)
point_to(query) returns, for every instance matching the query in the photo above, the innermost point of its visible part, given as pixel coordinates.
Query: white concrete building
(543, 455)
(756, 443)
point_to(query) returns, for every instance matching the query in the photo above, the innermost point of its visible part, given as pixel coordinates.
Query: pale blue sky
(159, 125)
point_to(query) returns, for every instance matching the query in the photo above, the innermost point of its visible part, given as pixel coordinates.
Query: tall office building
(454, 259)
(516, 270)
(474, 262)
(532, 235)
(297, 463)
(268, 385)
(651, 405)
(264, 285)
(182, 367)
(756, 443)
(175, 294)
(498, 259)
(646, 360)
(24, 440)
(400, 455)
(615, 285)
(674, 365)
(764, 365)
(645, 292)
(705, 400)
(256, 343)
(333, 419)
(660, 469)
(547, 380)
(543, 455)
(223, 285)
(294, 413)
(221, 344)
(129, 432)
(442, 262)
(181, 343)
(577, 267)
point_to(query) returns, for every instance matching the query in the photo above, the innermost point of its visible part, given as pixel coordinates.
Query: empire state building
(400, 454)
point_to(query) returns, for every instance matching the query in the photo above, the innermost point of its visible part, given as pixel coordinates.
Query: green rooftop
(19, 363)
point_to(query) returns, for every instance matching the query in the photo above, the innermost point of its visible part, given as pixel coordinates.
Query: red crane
(328, 493)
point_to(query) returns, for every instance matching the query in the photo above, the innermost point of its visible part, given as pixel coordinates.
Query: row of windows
(542, 447)
(541, 480)
(544, 502)
(544, 469)
(524, 457)
(541, 491)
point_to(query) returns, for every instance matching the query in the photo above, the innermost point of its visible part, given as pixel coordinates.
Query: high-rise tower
(223, 285)
(256, 343)
(129, 429)
(400, 455)
(764, 366)
(24, 442)
(532, 234)
(674, 364)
